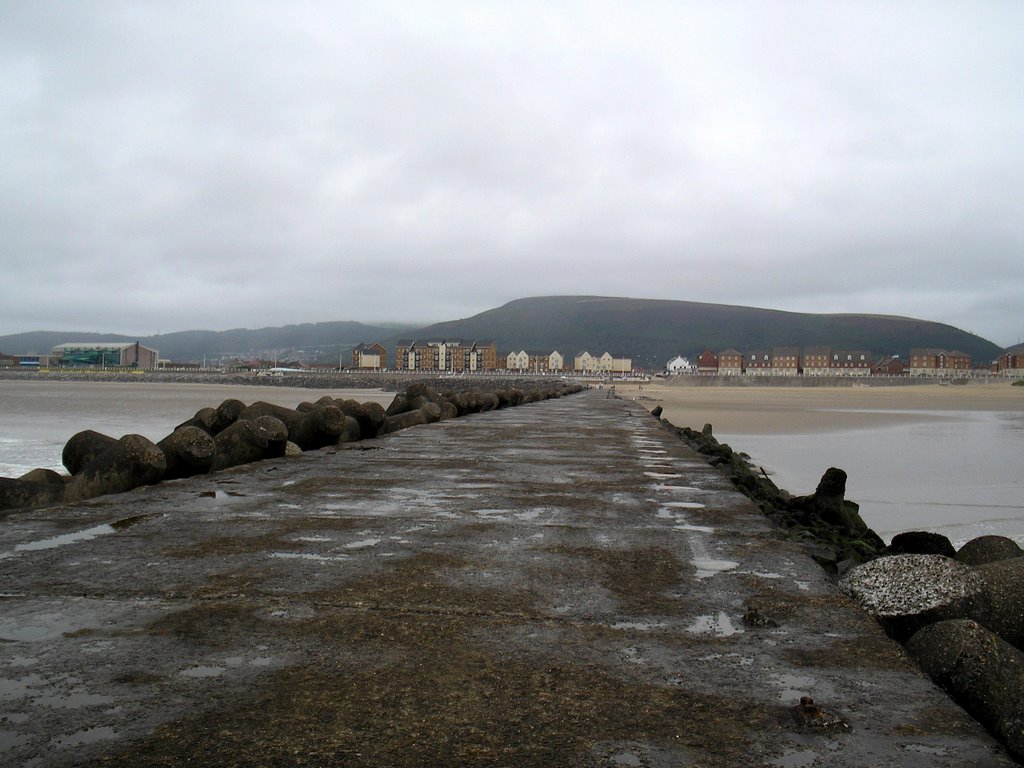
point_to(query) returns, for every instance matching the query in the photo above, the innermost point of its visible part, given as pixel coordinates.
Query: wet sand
(752, 410)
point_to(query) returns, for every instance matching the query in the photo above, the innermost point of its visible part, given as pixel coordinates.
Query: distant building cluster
(456, 356)
(825, 361)
(88, 354)
(460, 356)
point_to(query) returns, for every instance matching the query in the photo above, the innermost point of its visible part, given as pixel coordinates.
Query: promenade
(558, 584)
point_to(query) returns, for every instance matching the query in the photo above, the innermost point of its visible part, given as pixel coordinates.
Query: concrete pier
(557, 584)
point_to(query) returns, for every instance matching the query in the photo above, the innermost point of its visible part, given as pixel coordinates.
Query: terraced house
(369, 357)
(606, 363)
(446, 356)
(851, 362)
(537, 362)
(938, 362)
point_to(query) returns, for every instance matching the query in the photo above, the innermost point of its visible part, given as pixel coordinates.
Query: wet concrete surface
(558, 584)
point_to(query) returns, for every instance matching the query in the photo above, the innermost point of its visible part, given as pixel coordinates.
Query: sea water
(957, 473)
(38, 417)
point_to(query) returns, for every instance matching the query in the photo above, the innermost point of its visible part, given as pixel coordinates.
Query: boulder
(984, 673)
(44, 476)
(204, 419)
(400, 404)
(247, 441)
(404, 421)
(83, 448)
(1004, 599)
(988, 549)
(370, 416)
(908, 592)
(26, 494)
(350, 431)
(828, 503)
(309, 430)
(189, 451)
(921, 543)
(226, 414)
(129, 463)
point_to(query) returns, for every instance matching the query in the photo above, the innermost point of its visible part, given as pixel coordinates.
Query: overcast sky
(168, 166)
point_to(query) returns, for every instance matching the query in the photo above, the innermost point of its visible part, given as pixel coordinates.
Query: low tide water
(38, 417)
(958, 473)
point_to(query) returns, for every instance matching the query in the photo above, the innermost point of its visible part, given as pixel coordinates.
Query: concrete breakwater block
(1004, 599)
(128, 463)
(17, 493)
(309, 429)
(83, 448)
(983, 672)
(247, 440)
(189, 451)
(908, 592)
(988, 549)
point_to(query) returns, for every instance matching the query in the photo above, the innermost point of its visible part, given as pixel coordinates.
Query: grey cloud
(230, 164)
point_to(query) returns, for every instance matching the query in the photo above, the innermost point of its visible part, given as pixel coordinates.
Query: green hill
(647, 330)
(653, 331)
(325, 341)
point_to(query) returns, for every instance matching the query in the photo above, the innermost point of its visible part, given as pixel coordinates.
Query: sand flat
(761, 410)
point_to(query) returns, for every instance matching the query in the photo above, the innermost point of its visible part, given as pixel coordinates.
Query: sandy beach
(753, 410)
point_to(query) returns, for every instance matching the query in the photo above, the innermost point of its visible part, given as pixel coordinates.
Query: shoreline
(770, 410)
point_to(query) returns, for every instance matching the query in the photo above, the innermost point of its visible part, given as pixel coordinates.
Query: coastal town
(459, 356)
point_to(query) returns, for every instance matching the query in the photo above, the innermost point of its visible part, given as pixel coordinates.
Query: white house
(680, 364)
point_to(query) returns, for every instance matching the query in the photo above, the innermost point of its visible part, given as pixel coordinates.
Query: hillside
(325, 341)
(653, 331)
(650, 331)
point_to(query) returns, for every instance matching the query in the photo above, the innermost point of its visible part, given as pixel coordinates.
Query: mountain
(653, 331)
(649, 331)
(325, 341)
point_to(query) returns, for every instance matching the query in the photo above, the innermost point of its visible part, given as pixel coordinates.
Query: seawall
(561, 583)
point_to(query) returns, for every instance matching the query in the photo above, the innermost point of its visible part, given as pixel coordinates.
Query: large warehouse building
(85, 353)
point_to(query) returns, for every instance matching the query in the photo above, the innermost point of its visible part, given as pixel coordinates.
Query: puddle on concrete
(219, 495)
(22, 661)
(17, 688)
(84, 737)
(708, 567)
(651, 450)
(84, 535)
(763, 574)
(719, 625)
(10, 739)
(362, 543)
(45, 626)
(203, 672)
(796, 758)
(662, 475)
(693, 528)
(315, 539)
(792, 687)
(308, 556)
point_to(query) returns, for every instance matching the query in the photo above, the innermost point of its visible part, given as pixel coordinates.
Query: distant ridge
(654, 330)
(326, 340)
(651, 331)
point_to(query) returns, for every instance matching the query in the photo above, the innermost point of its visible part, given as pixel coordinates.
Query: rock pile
(961, 618)
(234, 433)
(838, 537)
